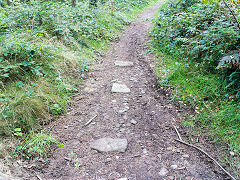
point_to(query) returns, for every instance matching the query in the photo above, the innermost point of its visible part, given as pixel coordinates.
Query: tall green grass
(188, 65)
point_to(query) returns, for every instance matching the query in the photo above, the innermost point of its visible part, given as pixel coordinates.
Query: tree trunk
(8, 2)
(73, 3)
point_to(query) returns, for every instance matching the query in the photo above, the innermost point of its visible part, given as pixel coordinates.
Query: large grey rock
(163, 172)
(109, 145)
(7, 177)
(123, 63)
(120, 88)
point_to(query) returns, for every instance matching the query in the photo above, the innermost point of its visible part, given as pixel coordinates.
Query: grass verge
(192, 75)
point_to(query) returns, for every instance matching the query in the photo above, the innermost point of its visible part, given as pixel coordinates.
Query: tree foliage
(233, 6)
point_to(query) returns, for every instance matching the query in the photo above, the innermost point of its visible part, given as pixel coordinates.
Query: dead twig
(181, 168)
(68, 159)
(233, 14)
(87, 123)
(209, 156)
(50, 129)
(39, 177)
(179, 136)
(134, 156)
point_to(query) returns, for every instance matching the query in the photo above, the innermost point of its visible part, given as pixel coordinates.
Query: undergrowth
(191, 37)
(46, 49)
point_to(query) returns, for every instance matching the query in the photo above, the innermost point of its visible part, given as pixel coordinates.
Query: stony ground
(120, 126)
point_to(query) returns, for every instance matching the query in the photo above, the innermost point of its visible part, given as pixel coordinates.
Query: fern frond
(232, 59)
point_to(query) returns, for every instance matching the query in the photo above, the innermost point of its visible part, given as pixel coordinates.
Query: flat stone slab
(109, 145)
(123, 63)
(163, 172)
(120, 88)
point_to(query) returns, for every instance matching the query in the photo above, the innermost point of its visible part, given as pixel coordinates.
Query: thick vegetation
(45, 49)
(199, 44)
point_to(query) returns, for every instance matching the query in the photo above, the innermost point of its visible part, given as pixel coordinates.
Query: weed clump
(36, 145)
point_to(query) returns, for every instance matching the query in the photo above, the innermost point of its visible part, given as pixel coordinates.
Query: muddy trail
(134, 114)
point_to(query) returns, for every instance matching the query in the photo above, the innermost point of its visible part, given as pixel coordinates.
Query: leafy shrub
(19, 50)
(200, 42)
(37, 145)
(18, 55)
(202, 34)
(199, 32)
(45, 50)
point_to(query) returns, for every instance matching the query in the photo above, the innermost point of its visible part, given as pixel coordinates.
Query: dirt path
(140, 116)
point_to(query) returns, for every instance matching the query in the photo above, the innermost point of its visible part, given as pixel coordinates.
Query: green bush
(194, 39)
(203, 36)
(46, 48)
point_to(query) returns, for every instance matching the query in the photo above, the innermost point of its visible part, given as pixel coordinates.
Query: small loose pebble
(133, 121)
(185, 155)
(174, 166)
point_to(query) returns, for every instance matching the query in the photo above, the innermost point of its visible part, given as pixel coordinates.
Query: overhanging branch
(235, 17)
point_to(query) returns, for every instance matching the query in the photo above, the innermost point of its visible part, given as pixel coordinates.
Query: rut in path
(151, 152)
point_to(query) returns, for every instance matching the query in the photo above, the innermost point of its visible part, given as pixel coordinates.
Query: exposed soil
(151, 144)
